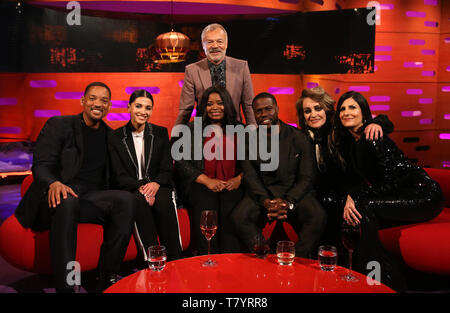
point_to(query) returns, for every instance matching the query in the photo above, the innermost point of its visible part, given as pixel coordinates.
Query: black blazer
(58, 155)
(296, 172)
(158, 161)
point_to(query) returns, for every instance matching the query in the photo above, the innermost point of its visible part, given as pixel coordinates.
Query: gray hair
(212, 27)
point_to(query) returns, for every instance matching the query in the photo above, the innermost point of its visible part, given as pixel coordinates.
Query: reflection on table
(244, 273)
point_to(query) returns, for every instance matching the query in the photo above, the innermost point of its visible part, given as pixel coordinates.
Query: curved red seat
(30, 251)
(422, 246)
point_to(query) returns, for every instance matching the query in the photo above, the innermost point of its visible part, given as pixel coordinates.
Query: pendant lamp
(171, 47)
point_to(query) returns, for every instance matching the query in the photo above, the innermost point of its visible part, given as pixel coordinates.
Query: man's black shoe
(106, 281)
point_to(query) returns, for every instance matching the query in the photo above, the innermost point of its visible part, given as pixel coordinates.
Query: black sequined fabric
(389, 191)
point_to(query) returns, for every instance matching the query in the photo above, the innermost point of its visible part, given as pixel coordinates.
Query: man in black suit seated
(285, 191)
(71, 177)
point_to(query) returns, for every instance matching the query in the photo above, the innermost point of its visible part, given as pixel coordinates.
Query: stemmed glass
(350, 235)
(208, 226)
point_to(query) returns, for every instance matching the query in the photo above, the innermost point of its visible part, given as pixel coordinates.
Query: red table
(243, 273)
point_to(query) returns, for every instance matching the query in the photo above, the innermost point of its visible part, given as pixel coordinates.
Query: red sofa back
(442, 176)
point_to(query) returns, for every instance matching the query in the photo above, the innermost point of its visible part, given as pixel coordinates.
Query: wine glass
(350, 235)
(208, 226)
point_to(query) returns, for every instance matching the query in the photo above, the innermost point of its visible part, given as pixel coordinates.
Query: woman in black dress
(387, 189)
(142, 164)
(209, 182)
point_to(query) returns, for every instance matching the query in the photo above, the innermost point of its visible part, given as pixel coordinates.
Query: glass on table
(327, 257)
(261, 246)
(156, 258)
(285, 252)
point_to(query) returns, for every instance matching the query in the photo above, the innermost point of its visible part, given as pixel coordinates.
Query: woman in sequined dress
(386, 190)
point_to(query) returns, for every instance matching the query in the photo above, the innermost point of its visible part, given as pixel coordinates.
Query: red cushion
(26, 184)
(424, 246)
(30, 251)
(442, 176)
(290, 232)
(288, 229)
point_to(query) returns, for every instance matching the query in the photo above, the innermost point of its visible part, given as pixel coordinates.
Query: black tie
(218, 76)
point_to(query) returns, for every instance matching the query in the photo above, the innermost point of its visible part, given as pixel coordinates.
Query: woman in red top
(214, 181)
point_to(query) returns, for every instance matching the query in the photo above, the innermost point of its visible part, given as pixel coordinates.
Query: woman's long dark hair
(342, 135)
(341, 131)
(229, 117)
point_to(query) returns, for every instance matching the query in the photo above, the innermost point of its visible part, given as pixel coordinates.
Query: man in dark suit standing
(216, 70)
(71, 176)
(284, 193)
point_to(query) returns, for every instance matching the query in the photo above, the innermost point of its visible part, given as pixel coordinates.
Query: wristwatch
(291, 206)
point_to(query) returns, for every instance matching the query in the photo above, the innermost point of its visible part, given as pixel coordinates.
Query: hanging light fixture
(171, 47)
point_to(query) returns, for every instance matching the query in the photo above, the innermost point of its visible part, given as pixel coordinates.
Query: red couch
(423, 246)
(30, 251)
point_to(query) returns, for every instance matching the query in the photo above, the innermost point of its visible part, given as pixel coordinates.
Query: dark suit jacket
(295, 175)
(197, 78)
(158, 161)
(58, 155)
